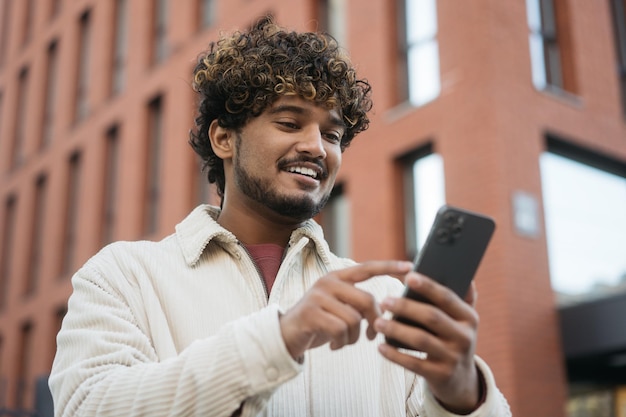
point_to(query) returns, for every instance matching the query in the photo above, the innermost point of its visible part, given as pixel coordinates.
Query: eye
(334, 137)
(288, 125)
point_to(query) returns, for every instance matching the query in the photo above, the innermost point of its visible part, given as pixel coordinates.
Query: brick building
(515, 109)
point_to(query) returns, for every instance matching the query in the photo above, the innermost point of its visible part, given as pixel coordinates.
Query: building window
(619, 24)
(206, 13)
(1, 112)
(36, 241)
(47, 125)
(424, 191)
(17, 155)
(419, 51)
(55, 8)
(336, 222)
(550, 45)
(59, 315)
(71, 214)
(584, 197)
(332, 19)
(201, 193)
(6, 256)
(159, 22)
(4, 30)
(153, 165)
(84, 60)
(27, 24)
(24, 361)
(111, 170)
(120, 47)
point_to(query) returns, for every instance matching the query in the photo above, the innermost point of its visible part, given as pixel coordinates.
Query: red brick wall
(488, 124)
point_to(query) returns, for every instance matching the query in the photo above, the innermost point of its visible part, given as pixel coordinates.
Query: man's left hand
(448, 345)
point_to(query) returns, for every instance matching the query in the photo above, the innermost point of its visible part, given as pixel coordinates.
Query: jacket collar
(200, 227)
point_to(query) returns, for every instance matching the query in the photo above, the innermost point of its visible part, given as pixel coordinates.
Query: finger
(414, 338)
(417, 363)
(472, 295)
(371, 269)
(442, 297)
(345, 326)
(361, 301)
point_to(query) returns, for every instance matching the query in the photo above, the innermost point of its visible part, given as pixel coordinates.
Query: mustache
(283, 163)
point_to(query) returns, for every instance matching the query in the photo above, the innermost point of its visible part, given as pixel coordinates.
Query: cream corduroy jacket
(183, 327)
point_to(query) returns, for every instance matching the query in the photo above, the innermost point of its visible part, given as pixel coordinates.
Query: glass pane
(421, 20)
(548, 20)
(537, 61)
(336, 224)
(585, 217)
(533, 12)
(207, 13)
(553, 69)
(424, 81)
(429, 193)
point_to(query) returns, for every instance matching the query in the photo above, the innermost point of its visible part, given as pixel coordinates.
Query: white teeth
(304, 171)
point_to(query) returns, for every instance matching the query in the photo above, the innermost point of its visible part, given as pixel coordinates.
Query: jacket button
(271, 374)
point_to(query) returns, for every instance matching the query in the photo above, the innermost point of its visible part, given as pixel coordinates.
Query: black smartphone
(452, 252)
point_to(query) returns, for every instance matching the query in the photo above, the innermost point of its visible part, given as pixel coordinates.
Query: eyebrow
(291, 108)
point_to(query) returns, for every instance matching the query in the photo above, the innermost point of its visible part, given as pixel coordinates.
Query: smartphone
(451, 254)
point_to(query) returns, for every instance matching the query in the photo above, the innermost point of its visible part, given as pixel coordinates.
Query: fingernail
(413, 280)
(388, 302)
(406, 265)
(380, 324)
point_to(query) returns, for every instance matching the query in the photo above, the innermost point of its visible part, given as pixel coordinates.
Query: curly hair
(240, 75)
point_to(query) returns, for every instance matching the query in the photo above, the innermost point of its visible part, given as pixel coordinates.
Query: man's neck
(255, 227)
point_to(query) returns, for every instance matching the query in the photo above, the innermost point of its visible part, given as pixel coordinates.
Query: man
(244, 310)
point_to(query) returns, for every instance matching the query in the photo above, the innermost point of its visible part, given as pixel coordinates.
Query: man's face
(287, 158)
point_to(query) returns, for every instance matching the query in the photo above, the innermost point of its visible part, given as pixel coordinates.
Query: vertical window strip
(153, 152)
(336, 222)
(71, 213)
(4, 30)
(550, 45)
(110, 184)
(424, 194)
(23, 365)
(206, 13)
(201, 184)
(1, 113)
(160, 31)
(420, 51)
(120, 47)
(36, 240)
(332, 19)
(17, 157)
(47, 125)
(27, 29)
(84, 58)
(6, 256)
(619, 23)
(55, 8)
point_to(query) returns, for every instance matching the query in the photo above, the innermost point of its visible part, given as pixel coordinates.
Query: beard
(298, 208)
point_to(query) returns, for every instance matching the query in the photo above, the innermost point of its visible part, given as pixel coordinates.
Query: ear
(222, 140)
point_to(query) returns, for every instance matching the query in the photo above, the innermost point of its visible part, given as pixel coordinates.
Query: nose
(312, 142)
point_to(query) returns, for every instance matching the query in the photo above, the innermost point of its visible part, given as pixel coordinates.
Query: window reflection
(424, 194)
(585, 219)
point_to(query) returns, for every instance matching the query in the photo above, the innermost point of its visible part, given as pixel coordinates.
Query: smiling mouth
(307, 172)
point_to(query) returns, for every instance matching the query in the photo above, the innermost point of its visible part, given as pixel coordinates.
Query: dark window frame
(154, 141)
(618, 8)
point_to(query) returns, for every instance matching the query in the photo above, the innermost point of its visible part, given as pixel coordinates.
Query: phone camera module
(451, 229)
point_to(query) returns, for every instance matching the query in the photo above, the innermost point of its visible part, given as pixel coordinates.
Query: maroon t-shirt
(267, 257)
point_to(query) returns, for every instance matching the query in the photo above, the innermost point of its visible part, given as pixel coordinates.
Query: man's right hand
(332, 309)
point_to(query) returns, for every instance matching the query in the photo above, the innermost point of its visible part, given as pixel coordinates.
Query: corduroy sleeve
(106, 364)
